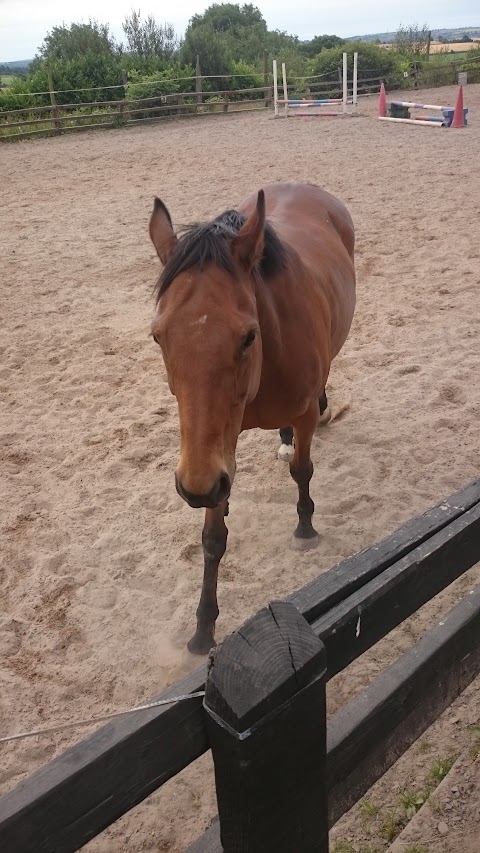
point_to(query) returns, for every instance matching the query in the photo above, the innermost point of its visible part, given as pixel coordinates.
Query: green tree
(147, 38)
(83, 59)
(230, 17)
(411, 41)
(212, 49)
(74, 41)
(318, 43)
(224, 33)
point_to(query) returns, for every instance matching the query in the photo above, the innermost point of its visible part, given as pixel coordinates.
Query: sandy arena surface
(101, 561)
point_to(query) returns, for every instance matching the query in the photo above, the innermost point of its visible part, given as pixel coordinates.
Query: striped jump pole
(418, 106)
(451, 117)
(412, 121)
(319, 103)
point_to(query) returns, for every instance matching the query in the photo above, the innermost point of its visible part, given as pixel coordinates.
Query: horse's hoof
(305, 544)
(201, 644)
(325, 417)
(286, 453)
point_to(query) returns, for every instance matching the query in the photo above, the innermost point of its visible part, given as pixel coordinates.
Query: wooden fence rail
(176, 104)
(61, 118)
(367, 736)
(66, 803)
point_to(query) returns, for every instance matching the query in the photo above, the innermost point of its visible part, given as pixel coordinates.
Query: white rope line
(133, 83)
(315, 76)
(60, 727)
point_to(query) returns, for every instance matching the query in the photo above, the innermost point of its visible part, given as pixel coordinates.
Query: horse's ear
(161, 231)
(247, 246)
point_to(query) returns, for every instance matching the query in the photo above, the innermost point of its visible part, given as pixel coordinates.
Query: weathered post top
(265, 701)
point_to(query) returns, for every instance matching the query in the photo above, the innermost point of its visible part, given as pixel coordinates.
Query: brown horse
(251, 309)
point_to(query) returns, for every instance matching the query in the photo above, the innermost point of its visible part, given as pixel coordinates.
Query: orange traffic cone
(382, 102)
(458, 116)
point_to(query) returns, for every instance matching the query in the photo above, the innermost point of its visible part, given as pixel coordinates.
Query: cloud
(25, 23)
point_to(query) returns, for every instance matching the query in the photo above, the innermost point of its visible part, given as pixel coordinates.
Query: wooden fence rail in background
(60, 118)
(66, 803)
(172, 105)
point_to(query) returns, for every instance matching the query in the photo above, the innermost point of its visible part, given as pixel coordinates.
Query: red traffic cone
(458, 116)
(382, 102)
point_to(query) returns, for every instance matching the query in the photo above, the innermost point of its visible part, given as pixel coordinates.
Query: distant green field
(462, 54)
(441, 58)
(7, 79)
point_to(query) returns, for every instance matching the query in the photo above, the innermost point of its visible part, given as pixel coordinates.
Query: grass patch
(342, 847)
(475, 747)
(392, 826)
(440, 768)
(424, 746)
(369, 809)
(415, 848)
(434, 805)
(412, 801)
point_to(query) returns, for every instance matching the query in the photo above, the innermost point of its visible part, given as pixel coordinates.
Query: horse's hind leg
(214, 541)
(325, 413)
(301, 469)
(285, 451)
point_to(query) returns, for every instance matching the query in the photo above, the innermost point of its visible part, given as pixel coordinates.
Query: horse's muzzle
(217, 495)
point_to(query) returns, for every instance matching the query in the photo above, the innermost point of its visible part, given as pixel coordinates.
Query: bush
(170, 81)
(373, 61)
(249, 79)
(175, 79)
(84, 74)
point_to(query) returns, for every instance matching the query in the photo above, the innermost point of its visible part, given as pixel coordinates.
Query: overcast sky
(24, 23)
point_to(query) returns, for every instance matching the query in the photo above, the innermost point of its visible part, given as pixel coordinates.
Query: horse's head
(207, 326)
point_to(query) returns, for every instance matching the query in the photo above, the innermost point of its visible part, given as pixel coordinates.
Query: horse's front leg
(301, 469)
(214, 541)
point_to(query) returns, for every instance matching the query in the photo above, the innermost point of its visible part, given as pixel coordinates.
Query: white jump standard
(295, 106)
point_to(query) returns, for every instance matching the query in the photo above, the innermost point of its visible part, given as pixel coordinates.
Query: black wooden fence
(283, 776)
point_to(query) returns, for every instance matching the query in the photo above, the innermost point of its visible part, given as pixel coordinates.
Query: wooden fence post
(123, 103)
(53, 101)
(266, 77)
(198, 82)
(266, 719)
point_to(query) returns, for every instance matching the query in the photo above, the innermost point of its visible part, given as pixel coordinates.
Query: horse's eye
(249, 339)
(156, 339)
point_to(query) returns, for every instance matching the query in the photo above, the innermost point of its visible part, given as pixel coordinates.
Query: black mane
(210, 243)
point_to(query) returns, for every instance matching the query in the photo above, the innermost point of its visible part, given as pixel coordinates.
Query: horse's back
(319, 228)
(302, 212)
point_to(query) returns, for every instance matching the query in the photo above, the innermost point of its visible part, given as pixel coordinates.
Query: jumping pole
(355, 80)
(275, 88)
(285, 88)
(301, 103)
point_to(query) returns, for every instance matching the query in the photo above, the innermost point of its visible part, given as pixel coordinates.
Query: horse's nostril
(224, 485)
(219, 493)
